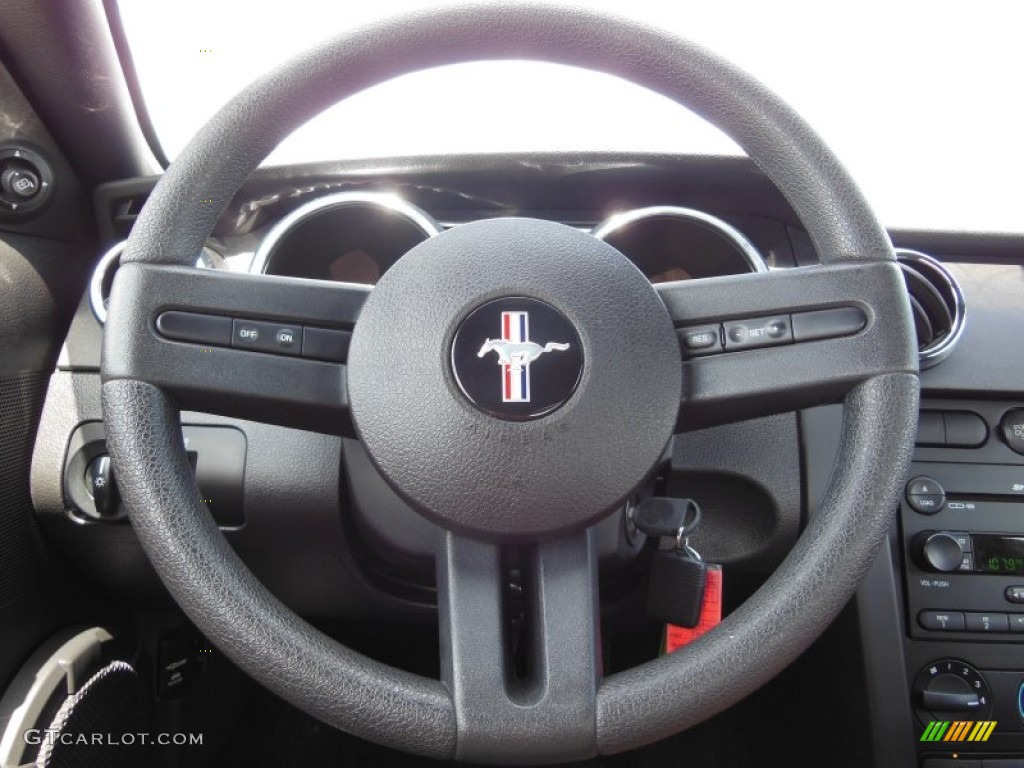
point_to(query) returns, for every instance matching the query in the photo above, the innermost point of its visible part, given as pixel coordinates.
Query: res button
(701, 340)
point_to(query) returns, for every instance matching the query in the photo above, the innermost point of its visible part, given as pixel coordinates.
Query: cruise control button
(828, 323)
(1017, 622)
(704, 340)
(267, 337)
(1012, 427)
(325, 344)
(197, 328)
(286, 338)
(941, 621)
(758, 332)
(987, 622)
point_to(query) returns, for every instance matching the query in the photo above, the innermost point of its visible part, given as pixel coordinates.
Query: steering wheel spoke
(812, 362)
(524, 661)
(264, 348)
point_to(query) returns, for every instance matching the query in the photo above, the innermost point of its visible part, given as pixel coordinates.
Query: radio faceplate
(964, 564)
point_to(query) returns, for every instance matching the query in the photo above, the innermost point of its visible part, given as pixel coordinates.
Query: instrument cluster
(356, 237)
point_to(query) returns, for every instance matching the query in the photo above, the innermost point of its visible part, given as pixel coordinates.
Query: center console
(941, 611)
(961, 548)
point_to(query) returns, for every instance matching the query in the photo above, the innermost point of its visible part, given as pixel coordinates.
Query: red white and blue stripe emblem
(515, 327)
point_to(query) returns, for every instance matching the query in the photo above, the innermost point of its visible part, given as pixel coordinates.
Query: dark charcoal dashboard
(941, 614)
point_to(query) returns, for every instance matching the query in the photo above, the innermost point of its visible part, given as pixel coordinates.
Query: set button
(758, 332)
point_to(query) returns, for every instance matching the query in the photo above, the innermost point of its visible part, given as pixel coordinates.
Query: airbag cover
(506, 478)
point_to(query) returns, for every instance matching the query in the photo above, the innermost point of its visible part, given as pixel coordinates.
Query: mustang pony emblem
(515, 353)
(510, 353)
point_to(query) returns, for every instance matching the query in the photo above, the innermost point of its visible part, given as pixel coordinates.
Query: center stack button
(925, 495)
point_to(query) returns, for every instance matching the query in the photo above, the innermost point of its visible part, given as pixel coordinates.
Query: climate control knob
(941, 552)
(951, 689)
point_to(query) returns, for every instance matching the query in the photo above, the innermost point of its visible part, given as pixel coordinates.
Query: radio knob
(940, 552)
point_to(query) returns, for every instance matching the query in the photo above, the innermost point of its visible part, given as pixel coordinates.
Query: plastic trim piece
(621, 220)
(68, 663)
(387, 202)
(131, 78)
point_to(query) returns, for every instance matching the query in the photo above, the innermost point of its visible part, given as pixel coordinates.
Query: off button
(267, 337)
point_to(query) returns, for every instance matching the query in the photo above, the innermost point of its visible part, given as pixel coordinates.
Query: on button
(267, 337)
(286, 337)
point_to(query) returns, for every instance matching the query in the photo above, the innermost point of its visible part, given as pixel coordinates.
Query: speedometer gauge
(669, 243)
(351, 237)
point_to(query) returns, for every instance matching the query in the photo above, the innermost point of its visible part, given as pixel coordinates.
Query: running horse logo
(515, 353)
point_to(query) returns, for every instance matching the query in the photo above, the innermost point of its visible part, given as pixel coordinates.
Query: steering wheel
(494, 471)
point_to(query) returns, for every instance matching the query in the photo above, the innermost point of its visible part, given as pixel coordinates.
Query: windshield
(919, 99)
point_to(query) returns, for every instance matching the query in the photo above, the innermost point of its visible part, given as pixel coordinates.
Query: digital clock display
(998, 554)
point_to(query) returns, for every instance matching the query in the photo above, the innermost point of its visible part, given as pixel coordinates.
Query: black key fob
(675, 589)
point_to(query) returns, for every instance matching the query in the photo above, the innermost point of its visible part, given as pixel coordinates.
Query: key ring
(691, 519)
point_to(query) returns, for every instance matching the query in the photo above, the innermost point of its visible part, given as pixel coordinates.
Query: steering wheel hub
(551, 421)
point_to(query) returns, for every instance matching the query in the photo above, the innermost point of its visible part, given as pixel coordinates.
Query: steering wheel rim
(423, 716)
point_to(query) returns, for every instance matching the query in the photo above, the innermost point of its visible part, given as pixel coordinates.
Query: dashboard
(931, 640)
(317, 523)
(355, 237)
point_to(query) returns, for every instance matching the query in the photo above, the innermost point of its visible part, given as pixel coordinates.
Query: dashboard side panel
(292, 538)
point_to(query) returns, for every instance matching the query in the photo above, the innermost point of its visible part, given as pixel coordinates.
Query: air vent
(102, 279)
(937, 304)
(103, 275)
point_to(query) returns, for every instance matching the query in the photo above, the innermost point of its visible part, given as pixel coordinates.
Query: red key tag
(710, 613)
